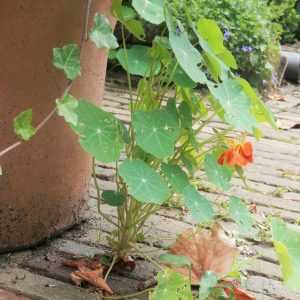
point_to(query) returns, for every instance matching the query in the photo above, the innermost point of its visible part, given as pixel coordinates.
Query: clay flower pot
(44, 181)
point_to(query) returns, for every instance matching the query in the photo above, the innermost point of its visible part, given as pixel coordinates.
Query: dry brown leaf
(76, 279)
(94, 277)
(82, 262)
(208, 251)
(90, 271)
(275, 95)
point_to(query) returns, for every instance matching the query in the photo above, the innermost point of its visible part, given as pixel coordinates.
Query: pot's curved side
(44, 181)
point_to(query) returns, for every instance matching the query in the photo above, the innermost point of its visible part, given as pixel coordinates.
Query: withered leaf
(90, 271)
(208, 251)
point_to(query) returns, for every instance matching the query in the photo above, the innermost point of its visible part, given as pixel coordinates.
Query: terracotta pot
(45, 180)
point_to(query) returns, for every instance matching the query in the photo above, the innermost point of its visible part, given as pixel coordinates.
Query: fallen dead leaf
(90, 271)
(82, 262)
(93, 277)
(208, 251)
(276, 96)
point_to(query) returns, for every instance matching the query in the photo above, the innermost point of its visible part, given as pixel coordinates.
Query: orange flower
(238, 154)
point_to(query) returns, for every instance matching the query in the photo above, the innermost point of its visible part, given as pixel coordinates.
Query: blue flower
(247, 49)
(227, 35)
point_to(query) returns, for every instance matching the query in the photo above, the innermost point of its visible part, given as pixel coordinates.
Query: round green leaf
(200, 208)
(217, 174)
(101, 134)
(68, 60)
(144, 183)
(235, 103)
(137, 61)
(102, 33)
(150, 10)
(156, 131)
(175, 176)
(240, 214)
(113, 198)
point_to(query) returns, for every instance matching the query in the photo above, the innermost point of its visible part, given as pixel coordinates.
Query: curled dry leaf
(90, 271)
(208, 251)
(82, 262)
(93, 277)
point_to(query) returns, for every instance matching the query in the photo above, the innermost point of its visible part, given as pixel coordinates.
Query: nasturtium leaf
(239, 212)
(218, 59)
(227, 57)
(185, 115)
(101, 134)
(217, 174)
(156, 131)
(23, 125)
(67, 59)
(125, 16)
(150, 10)
(143, 182)
(128, 13)
(102, 33)
(235, 103)
(66, 107)
(258, 108)
(136, 28)
(200, 207)
(207, 283)
(138, 61)
(172, 285)
(178, 261)
(113, 198)
(175, 176)
(287, 244)
(180, 77)
(211, 33)
(213, 65)
(188, 57)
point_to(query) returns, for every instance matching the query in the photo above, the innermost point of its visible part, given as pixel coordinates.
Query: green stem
(114, 260)
(99, 195)
(129, 296)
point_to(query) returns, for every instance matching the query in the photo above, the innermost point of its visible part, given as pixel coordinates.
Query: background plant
(249, 30)
(287, 14)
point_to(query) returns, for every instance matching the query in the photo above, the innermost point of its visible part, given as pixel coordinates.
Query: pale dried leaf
(208, 251)
(94, 277)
